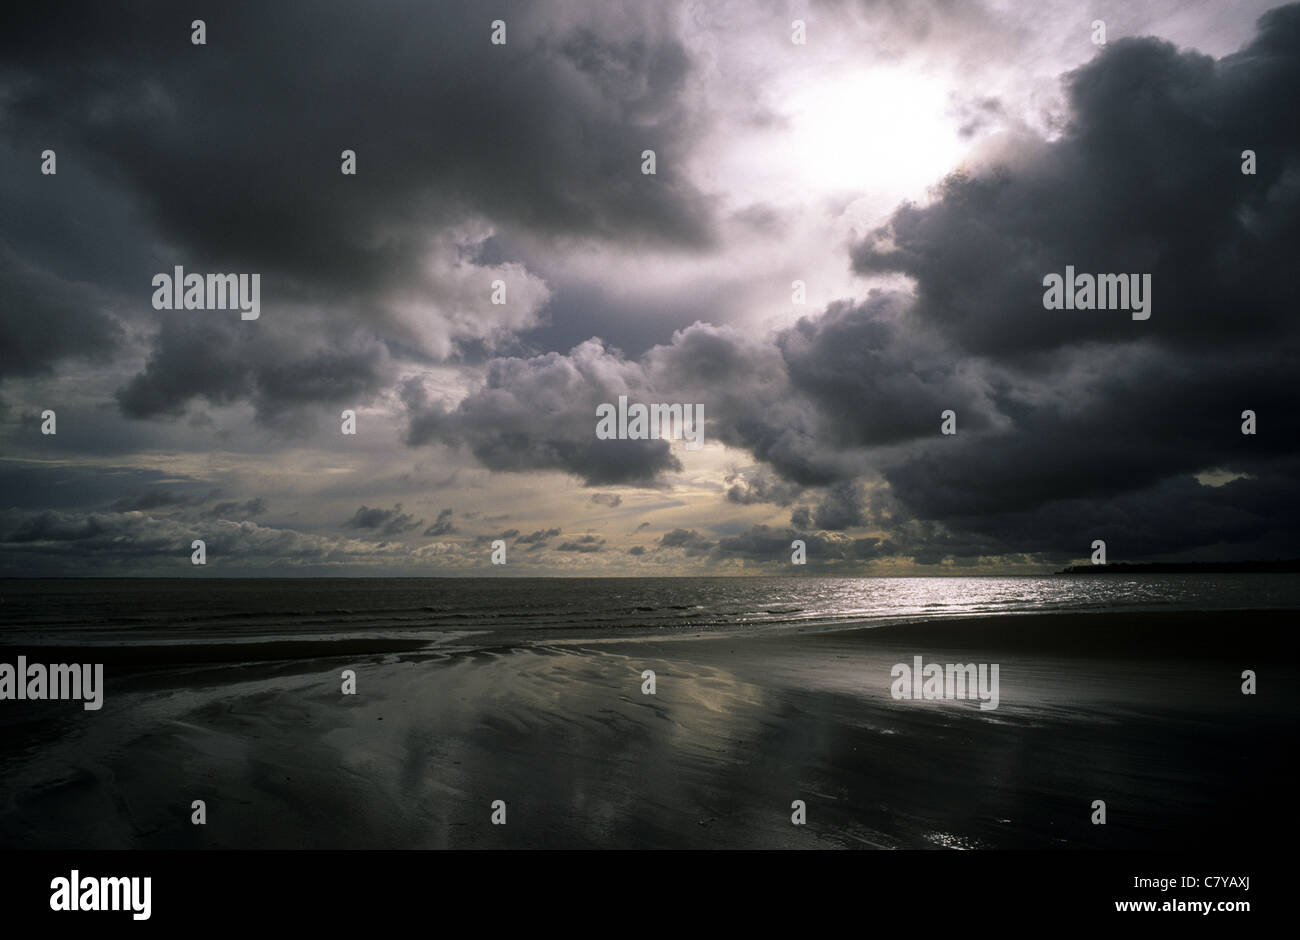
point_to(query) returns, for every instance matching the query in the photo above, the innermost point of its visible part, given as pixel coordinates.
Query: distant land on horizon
(1286, 566)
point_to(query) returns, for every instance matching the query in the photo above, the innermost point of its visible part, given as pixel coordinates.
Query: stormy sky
(918, 166)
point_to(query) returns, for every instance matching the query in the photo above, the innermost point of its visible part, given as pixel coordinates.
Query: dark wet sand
(1144, 711)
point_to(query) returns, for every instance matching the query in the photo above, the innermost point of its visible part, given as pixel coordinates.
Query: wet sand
(1143, 711)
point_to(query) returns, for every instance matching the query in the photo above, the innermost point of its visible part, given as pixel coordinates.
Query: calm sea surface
(160, 611)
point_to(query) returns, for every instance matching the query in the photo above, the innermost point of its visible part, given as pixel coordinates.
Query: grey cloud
(763, 543)
(1158, 133)
(386, 521)
(759, 487)
(537, 539)
(688, 540)
(61, 543)
(545, 131)
(840, 509)
(586, 544)
(503, 536)
(878, 379)
(44, 318)
(540, 414)
(541, 136)
(156, 498)
(442, 525)
(221, 363)
(766, 545)
(230, 508)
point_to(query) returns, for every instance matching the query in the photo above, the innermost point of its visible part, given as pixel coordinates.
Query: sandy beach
(1143, 711)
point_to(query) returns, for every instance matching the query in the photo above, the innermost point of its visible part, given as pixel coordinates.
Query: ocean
(125, 612)
(649, 713)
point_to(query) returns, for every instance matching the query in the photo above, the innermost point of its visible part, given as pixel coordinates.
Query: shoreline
(1143, 711)
(1138, 628)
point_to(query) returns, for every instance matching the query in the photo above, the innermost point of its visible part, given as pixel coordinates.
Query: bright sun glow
(873, 130)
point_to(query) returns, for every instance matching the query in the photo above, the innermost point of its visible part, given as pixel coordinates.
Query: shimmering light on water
(167, 611)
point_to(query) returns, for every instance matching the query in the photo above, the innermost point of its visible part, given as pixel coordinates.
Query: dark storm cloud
(537, 539)
(325, 376)
(190, 358)
(1061, 415)
(1146, 178)
(52, 526)
(228, 156)
(442, 525)
(688, 540)
(215, 360)
(1136, 441)
(1072, 425)
(385, 521)
(840, 509)
(540, 414)
(504, 536)
(766, 397)
(744, 383)
(60, 543)
(153, 499)
(91, 490)
(46, 485)
(878, 377)
(587, 544)
(611, 500)
(764, 544)
(44, 319)
(760, 487)
(232, 509)
(161, 498)
(231, 159)
(1178, 517)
